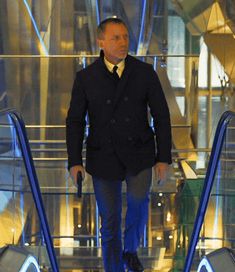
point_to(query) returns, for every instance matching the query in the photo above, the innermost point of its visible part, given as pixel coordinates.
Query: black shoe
(132, 262)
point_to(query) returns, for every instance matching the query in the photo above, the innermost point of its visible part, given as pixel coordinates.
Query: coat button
(127, 119)
(108, 101)
(130, 138)
(126, 98)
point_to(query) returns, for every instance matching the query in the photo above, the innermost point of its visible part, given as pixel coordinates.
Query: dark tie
(115, 74)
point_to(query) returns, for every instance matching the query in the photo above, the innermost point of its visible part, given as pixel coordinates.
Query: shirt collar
(120, 65)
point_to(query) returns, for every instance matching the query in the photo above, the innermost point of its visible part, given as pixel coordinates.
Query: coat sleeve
(161, 118)
(75, 123)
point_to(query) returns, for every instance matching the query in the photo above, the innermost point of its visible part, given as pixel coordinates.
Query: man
(116, 92)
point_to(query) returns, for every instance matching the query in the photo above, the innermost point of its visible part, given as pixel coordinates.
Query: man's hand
(161, 171)
(74, 171)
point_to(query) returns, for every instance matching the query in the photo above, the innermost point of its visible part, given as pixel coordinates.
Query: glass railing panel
(20, 224)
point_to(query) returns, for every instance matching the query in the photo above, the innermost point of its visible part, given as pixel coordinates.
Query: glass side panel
(218, 227)
(19, 223)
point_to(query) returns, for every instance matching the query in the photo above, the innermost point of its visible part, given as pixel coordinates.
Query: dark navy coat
(120, 139)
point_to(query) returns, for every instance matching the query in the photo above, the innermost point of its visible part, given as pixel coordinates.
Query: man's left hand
(161, 170)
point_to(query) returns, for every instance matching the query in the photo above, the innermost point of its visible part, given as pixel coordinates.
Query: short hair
(101, 27)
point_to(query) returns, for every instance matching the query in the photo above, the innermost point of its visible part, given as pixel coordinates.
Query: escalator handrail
(209, 179)
(33, 181)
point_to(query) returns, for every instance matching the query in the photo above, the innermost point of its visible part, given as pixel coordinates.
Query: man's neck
(111, 62)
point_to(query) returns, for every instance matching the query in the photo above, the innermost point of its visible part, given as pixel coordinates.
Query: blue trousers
(108, 195)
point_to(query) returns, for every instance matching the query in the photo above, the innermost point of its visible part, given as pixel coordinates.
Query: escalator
(24, 224)
(25, 238)
(79, 247)
(214, 225)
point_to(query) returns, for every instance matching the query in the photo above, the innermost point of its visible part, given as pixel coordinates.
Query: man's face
(115, 42)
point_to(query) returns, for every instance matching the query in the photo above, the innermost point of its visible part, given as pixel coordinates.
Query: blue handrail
(209, 179)
(33, 181)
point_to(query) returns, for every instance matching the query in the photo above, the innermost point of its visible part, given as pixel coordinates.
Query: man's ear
(100, 43)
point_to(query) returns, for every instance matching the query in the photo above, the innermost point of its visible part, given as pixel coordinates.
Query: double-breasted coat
(120, 139)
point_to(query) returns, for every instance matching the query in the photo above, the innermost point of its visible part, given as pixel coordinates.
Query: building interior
(191, 45)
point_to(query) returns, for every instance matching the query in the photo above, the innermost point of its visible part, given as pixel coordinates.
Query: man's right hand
(74, 171)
